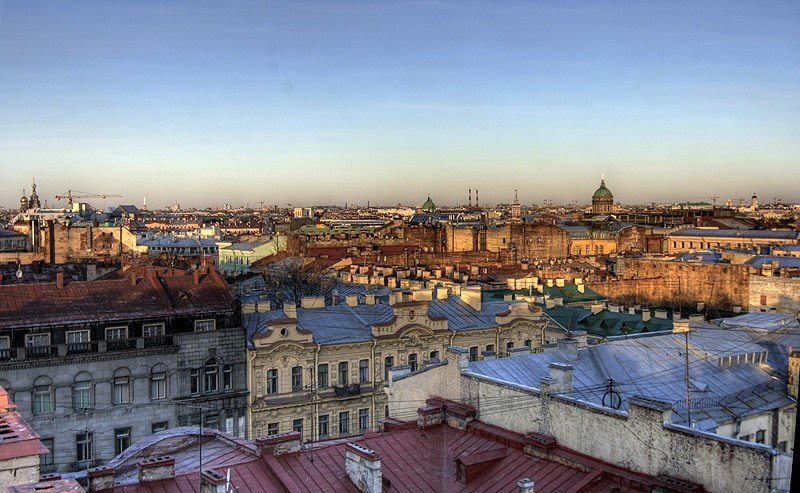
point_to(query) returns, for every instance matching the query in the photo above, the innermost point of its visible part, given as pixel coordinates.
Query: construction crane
(713, 199)
(70, 195)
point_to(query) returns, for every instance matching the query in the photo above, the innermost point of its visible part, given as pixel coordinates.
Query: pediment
(282, 330)
(412, 316)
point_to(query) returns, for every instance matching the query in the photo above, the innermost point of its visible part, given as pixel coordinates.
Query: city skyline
(320, 104)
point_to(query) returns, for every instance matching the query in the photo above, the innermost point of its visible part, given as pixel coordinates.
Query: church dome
(602, 192)
(428, 206)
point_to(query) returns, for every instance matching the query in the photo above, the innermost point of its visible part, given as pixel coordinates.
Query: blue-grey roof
(339, 324)
(739, 233)
(654, 367)
(789, 248)
(702, 257)
(776, 261)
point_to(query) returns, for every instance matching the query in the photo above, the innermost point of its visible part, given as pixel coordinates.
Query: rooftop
(146, 292)
(739, 233)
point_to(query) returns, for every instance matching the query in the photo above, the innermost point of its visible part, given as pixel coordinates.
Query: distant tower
(470, 198)
(516, 209)
(603, 199)
(754, 203)
(477, 201)
(33, 202)
(144, 203)
(23, 202)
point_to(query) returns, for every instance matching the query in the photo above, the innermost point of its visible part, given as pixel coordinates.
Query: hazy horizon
(387, 102)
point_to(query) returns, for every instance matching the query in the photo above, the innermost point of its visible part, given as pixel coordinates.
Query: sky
(334, 102)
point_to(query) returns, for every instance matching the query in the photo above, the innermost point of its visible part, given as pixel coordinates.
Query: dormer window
(205, 325)
(152, 330)
(116, 333)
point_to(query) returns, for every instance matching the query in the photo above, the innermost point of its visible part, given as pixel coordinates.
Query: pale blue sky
(336, 101)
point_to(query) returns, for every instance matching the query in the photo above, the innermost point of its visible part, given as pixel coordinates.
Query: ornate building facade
(94, 366)
(321, 370)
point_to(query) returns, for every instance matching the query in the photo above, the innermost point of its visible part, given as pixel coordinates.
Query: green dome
(602, 192)
(428, 206)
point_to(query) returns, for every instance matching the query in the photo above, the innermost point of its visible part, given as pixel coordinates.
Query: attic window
(699, 386)
(284, 332)
(183, 295)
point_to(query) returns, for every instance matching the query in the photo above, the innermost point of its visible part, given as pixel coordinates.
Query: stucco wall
(19, 470)
(782, 293)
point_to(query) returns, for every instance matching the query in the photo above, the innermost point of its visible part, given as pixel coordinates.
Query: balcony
(347, 390)
(120, 344)
(157, 341)
(41, 351)
(82, 347)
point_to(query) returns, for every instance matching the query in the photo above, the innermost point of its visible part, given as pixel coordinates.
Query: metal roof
(738, 233)
(776, 261)
(654, 367)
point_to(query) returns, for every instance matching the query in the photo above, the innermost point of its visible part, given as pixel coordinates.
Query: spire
(516, 199)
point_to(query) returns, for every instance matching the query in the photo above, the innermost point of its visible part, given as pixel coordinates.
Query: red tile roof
(156, 292)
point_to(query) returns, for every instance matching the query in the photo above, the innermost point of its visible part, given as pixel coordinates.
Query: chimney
(101, 478)
(423, 295)
(660, 313)
(596, 308)
(549, 283)
(196, 274)
(290, 309)
(549, 303)
(471, 295)
(526, 485)
(560, 282)
(568, 348)
(283, 443)
(351, 300)
(156, 468)
(581, 288)
(212, 481)
(470, 198)
(561, 377)
(369, 299)
(363, 467)
(646, 315)
(60, 280)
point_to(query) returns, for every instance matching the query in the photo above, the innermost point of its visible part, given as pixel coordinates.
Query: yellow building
(321, 369)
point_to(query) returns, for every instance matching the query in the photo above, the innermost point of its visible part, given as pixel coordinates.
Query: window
(37, 340)
(77, 336)
(212, 421)
(344, 422)
(160, 426)
(84, 447)
(211, 372)
(46, 460)
(322, 376)
(122, 440)
(490, 348)
(412, 360)
(297, 425)
(781, 446)
(388, 364)
(227, 377)
(509, 345)
(297, 378)
(272, 381)
(122, 386)
(194, 381)
(158, 382)
(323, 426)
(152, 330)
(763, 300)
(527, 343)
(82, 391)
(272, 429)
(5, 342)
(760, 436)
(434, 355)
(343, 370)
(473, 353)
(363, 419)
(363, 371)
(43, 395)
(116, 333)
(386, 412)
(205, 325)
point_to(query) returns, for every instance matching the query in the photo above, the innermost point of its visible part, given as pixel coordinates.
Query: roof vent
(470, 466)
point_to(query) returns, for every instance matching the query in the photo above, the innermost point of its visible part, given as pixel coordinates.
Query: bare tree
(293, 277)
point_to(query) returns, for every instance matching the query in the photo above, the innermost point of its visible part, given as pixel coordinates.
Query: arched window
(158, 382)
(122, 386)
(43, 399)
(211, 373)
(82, 391)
